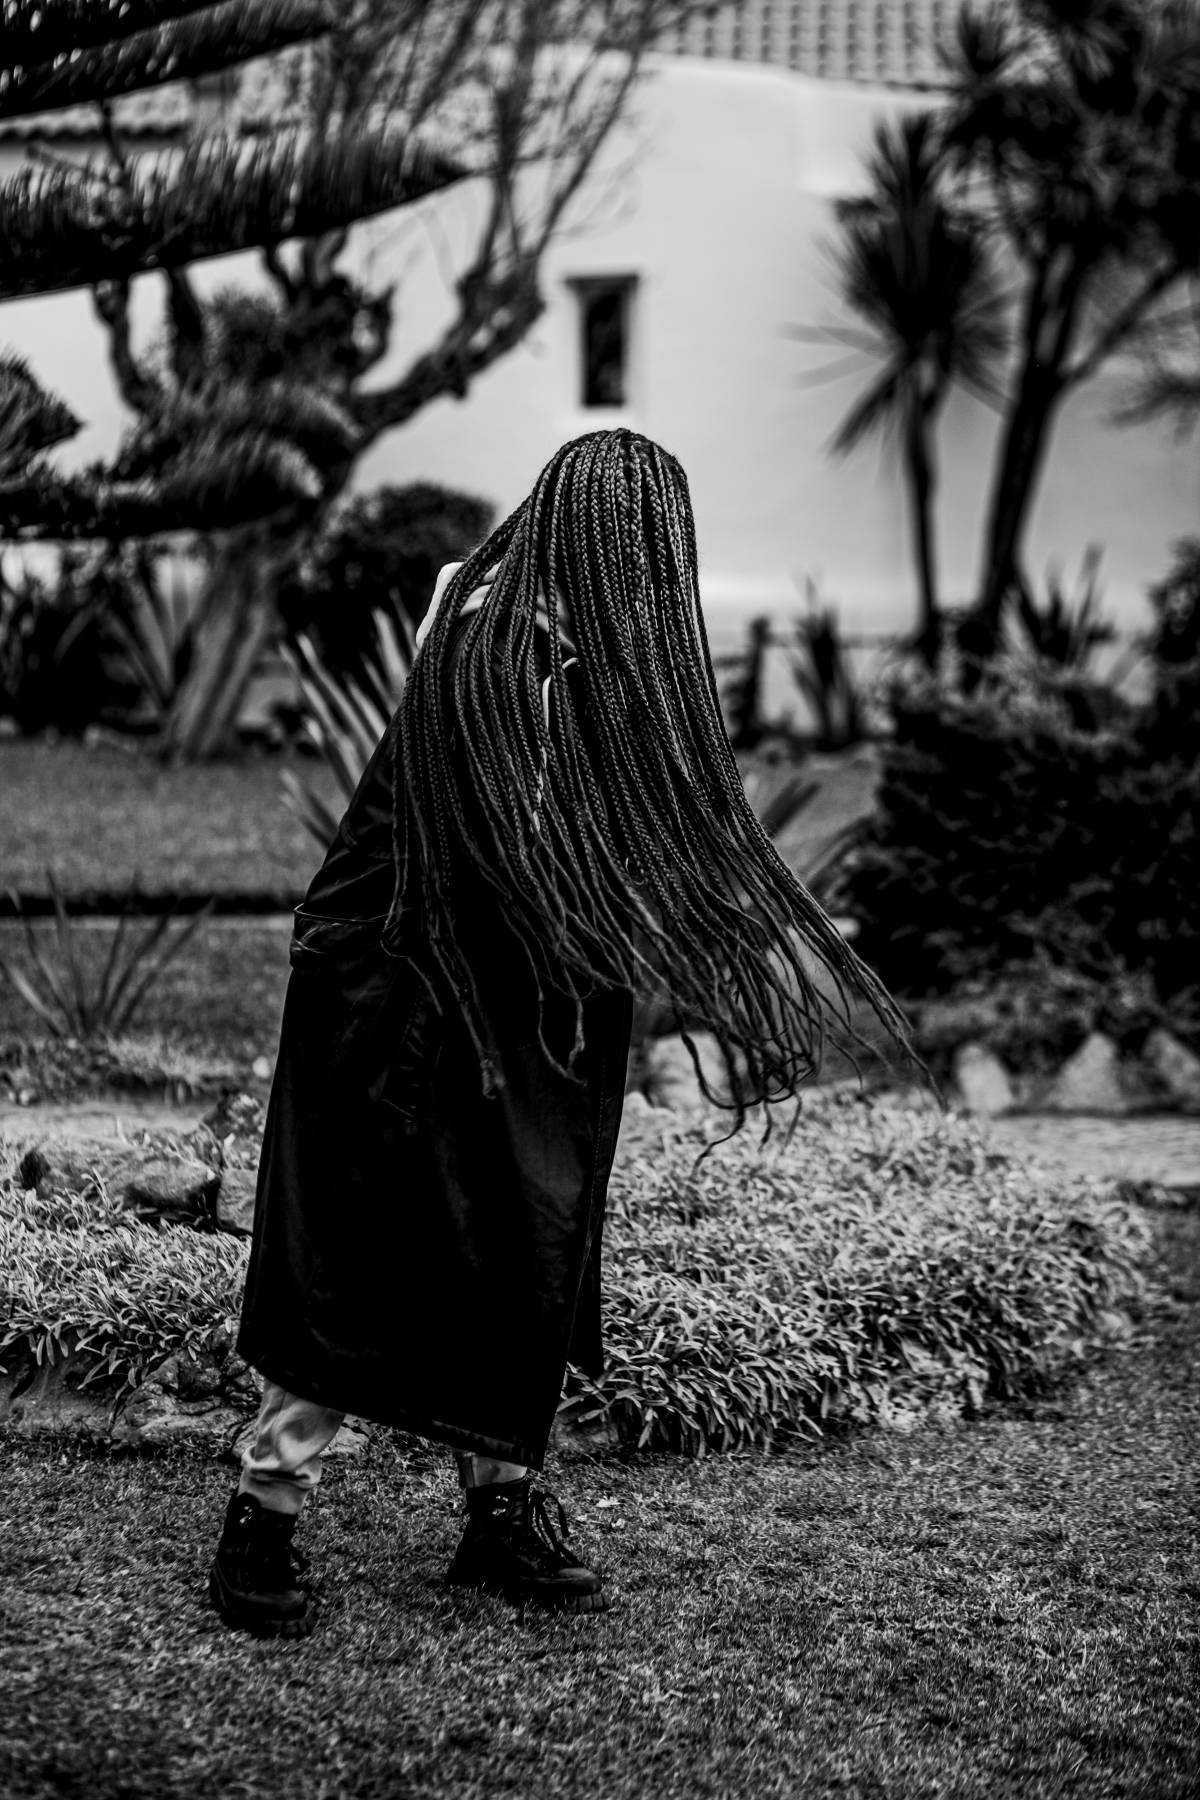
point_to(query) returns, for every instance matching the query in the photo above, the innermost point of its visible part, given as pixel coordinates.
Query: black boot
(256, 1580)
(509, 1547)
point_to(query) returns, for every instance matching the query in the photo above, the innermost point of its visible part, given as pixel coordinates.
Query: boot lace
(540, 1526)
(532, 1531)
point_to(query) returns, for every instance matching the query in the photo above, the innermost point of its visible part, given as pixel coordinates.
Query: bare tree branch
(138, 387)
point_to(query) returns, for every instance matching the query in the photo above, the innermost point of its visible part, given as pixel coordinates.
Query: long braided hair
(610, 820)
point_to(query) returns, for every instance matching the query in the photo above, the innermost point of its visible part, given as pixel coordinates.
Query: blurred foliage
(1175, 648)
(821, 669)
(1067, 628)
(378, 553)
(1039, 815)
(62, 665)
(105, 637)
(344, 720)
(836, 709)
(1034, 1014)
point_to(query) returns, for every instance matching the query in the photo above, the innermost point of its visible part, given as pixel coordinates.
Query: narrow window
(605, 319)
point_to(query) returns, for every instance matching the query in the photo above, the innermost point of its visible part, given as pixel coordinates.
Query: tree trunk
(1023, 456)
(236, 625)
(920, 474)
(1050, 326)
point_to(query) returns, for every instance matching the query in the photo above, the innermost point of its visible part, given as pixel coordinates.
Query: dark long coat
(424, 1255)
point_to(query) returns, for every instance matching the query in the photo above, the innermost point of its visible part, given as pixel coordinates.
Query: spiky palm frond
(305, 418)
(345, 718)
(216, 38)
(918, 274)
(31, 420)
(69, 227)
(33, 31)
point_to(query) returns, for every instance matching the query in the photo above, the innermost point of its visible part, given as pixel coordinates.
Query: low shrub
(378, 553)
(81, 1277)
(882, 1265)
(1034, 1014)
(63, 663)
(1034, 815)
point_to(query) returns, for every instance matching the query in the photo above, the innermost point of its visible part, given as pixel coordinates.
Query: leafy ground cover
(1005, 1611)
(104, 816)
(884, 1263)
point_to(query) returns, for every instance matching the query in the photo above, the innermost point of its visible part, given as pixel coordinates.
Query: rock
(79, 1166)
(982, 1081)
(49, 1397)
(236, 1115)
(671, 1076)
(172, 1188)
(1089, 1081)
(186, 1399)
(1174, 1068)
(353, 1437)
(235, 1201)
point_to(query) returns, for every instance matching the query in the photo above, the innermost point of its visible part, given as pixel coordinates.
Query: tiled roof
(885, 43)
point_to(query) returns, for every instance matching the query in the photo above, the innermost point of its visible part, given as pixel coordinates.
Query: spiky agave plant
(345, 718)
(59, 985)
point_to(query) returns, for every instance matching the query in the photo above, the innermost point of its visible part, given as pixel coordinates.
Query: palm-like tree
(1075, 125)
(916, 271)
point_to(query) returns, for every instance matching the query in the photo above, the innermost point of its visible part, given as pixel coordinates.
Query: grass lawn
(103, 816)
(222, 996)
(1004, 1609)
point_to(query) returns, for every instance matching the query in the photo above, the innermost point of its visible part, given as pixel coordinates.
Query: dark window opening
(605, 311)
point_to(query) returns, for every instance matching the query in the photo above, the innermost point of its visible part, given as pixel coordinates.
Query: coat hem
(456, 1437)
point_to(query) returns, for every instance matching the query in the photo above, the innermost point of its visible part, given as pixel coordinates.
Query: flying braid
(611, 824)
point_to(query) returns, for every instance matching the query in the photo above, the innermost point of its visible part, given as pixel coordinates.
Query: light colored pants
(283, 1464)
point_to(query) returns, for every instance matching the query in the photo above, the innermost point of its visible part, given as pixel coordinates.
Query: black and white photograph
(599, 899)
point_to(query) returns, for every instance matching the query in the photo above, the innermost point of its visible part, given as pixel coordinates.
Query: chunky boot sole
(524, 1593)
(241, 1616)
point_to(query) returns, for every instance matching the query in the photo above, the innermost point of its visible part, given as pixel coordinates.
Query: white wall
(717, 197)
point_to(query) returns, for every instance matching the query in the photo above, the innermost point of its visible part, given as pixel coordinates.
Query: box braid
(611, 823)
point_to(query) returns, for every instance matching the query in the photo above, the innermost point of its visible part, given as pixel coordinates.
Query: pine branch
(292, 413)
(230, 32)
(216, 487)
(31, 420)
(140, 390)
(496, 313)
(35, 31)
(67, 229)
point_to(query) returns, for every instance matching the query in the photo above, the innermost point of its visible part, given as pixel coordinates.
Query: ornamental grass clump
(884, 1266)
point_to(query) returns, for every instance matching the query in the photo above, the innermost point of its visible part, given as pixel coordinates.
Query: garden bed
(884, 1266)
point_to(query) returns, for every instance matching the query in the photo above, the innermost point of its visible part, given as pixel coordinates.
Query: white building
(693, 252)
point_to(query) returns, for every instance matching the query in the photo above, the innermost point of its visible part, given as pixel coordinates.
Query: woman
(553, 817)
